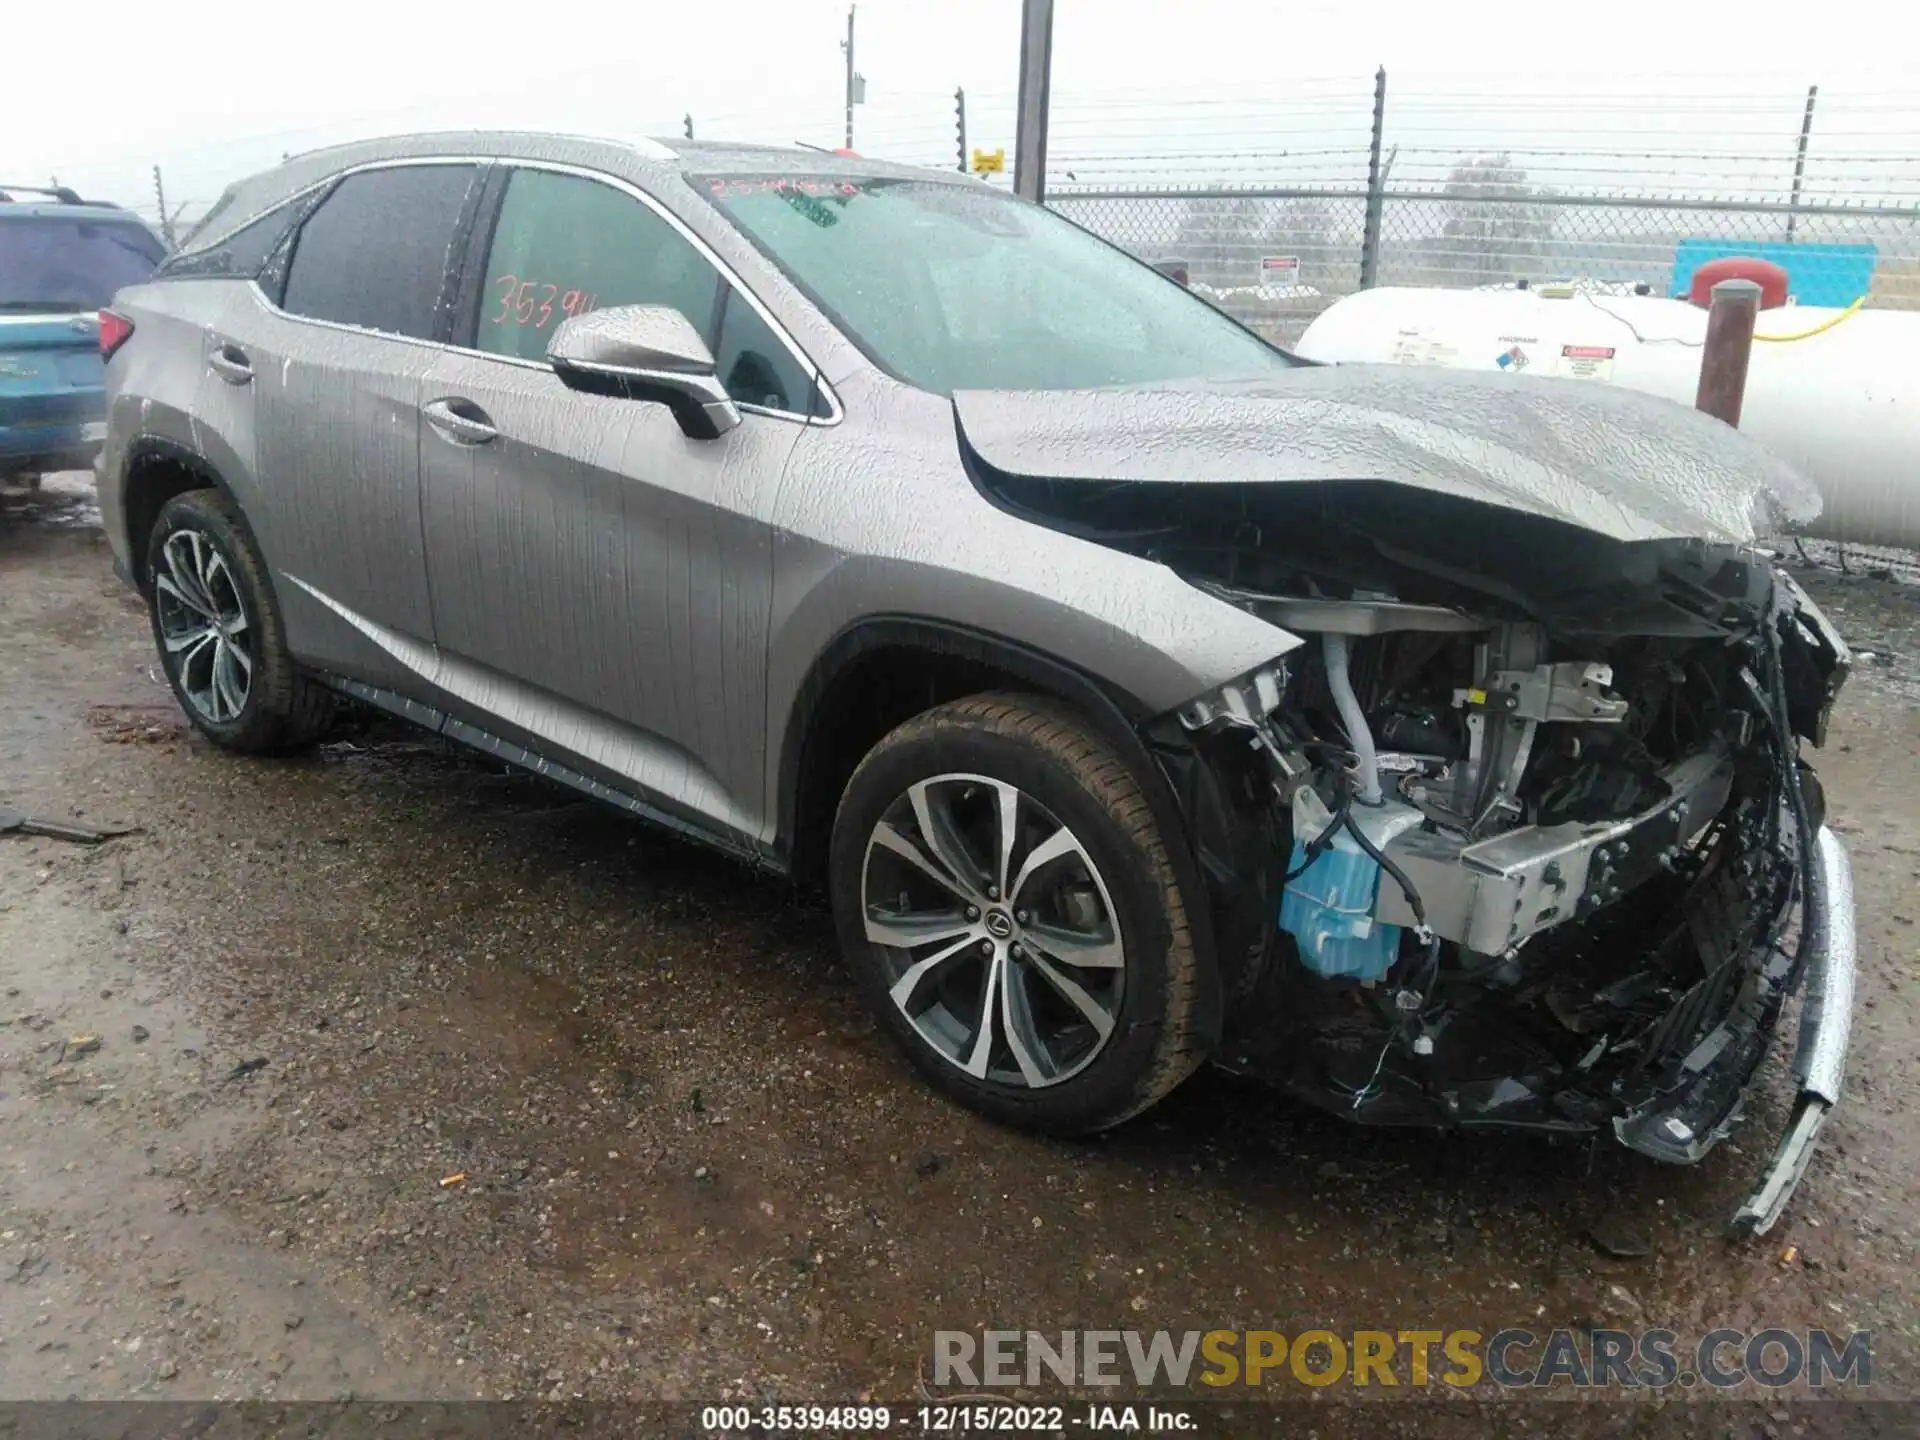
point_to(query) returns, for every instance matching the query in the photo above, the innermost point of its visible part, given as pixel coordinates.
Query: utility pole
(1036, 79)
(960, 114)
(847, 45)
(1800, 159)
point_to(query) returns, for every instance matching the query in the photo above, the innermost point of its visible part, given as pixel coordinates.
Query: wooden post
(1729, 345)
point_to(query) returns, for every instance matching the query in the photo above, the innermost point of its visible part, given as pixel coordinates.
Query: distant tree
(1305, 226)
(1223, 240)
(1490, 233)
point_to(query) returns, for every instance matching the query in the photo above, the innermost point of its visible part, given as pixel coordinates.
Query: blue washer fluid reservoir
(1329, 908)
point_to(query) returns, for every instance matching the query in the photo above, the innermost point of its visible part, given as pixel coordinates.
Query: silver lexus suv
(1427, 742)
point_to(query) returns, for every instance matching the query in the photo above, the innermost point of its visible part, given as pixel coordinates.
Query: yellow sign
(990, 162)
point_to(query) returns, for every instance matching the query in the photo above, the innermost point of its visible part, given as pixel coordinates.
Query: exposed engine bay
(1520, 836)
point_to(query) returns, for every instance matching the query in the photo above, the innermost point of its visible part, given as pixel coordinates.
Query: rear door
(56, 271)
(333, 353)
(601, 582)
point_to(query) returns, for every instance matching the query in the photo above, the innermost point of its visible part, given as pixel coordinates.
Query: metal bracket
(1571, 692)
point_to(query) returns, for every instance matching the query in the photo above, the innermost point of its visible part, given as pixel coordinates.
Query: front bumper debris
(1826, 1020)
(1491, 894)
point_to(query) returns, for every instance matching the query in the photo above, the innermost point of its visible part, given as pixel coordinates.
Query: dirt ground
(418, 1079)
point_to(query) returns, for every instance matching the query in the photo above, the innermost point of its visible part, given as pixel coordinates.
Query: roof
(58, 193)
(57, 202)
(726, 157)
(636, 158)
(87, 212)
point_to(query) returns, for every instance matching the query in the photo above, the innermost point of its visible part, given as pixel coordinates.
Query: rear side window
(242, 255)
(376, 252)
(565, 245)
(62, 264)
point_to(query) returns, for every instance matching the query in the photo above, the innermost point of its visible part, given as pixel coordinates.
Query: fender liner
(147, 447)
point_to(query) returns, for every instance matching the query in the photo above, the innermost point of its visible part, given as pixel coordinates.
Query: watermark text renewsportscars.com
(1215, 1360)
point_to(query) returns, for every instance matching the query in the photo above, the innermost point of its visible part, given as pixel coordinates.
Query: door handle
(460, 421)
(230, 363)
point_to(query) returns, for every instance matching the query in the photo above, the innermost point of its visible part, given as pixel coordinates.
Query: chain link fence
(1613, 193)
(1276, 258)
(1272, 259)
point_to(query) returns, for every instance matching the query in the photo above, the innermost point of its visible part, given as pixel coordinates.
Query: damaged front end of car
(1520, 835)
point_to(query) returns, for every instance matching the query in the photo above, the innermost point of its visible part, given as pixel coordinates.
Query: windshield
(953, 287)
(58, 264)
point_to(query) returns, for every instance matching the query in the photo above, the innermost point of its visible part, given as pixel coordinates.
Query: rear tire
(995, 864)
(218, 629)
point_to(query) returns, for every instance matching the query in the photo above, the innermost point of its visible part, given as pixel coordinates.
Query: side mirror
(645, 352)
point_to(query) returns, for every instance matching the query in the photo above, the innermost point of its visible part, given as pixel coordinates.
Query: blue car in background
(61, 259)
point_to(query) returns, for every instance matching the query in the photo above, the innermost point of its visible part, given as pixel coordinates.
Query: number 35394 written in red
(534, 302)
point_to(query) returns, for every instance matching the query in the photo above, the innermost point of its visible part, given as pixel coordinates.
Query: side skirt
(518, 756)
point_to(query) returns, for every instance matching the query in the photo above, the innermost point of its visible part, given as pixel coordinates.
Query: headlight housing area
(1246, 700)
(1815, 658)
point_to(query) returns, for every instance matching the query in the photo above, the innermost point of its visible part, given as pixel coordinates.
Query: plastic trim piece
(1826, 1025)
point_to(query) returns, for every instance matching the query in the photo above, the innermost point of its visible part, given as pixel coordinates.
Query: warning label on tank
(1418, 346)
(1586, 362)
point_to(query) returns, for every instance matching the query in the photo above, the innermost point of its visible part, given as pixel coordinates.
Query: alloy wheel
(1003, 947)
(204, 629)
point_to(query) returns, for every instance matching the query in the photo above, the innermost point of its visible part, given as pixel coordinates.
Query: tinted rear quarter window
(57, 263)
(242, 255)
(376, 252)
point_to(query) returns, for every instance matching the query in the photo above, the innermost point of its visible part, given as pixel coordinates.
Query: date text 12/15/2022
(946, 1418)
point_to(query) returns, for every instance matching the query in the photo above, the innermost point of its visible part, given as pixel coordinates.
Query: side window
(375, 253)
(754, 366)
(240, 256)
(566, 245)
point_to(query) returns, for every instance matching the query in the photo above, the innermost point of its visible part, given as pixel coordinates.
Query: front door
(602, 584)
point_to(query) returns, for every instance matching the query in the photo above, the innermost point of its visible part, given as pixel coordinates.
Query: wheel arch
(157, 469)
(881, 671)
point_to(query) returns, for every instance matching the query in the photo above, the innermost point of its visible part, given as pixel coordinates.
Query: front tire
(1013, 917)
(218, 629)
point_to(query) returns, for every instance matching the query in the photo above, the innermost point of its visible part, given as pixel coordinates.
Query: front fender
(877, 516)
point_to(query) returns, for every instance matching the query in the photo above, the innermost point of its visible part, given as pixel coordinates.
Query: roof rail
(59, 192)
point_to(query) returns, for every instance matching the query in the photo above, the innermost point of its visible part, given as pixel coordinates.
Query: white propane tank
(1842, 402)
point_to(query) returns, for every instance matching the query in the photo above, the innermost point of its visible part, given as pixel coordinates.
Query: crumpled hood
(1612, 461)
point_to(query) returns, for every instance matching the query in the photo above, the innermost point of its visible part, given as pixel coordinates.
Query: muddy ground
(418, 1079)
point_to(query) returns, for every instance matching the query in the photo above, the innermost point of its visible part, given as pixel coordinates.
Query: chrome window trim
(835, 411)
